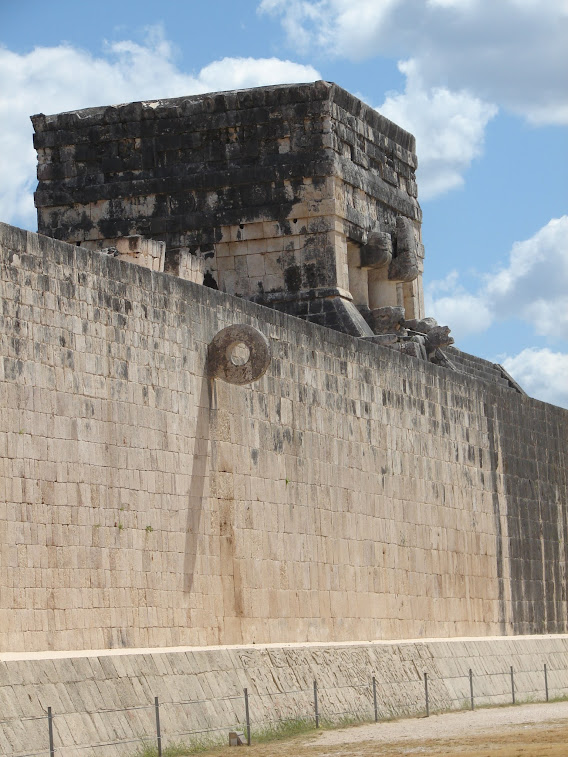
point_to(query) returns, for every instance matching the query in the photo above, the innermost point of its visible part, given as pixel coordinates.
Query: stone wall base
(101, 697)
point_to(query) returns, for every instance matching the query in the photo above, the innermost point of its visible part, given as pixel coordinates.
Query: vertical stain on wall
(494, 453)
(198, 482)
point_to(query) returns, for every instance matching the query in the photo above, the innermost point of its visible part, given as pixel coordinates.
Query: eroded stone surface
(377, 252)
(404, 264)
(136, 249)
(423, 325)
(387, 320)
(438, 336)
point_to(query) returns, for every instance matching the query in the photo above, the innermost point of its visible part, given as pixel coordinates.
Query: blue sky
(483, 84)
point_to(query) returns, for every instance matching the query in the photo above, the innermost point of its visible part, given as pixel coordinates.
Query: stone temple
(235, 450)
(298, 197)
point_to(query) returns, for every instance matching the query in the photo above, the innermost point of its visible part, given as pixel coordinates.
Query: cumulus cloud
(533, 286)
(449, 128)
(542, 374)
(449, 302)
(512, 53)
(452, 85)
(55, 79)
(535, 283)
(462, 60)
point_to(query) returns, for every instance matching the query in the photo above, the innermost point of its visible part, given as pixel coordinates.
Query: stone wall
(105, 697)
(352, 493)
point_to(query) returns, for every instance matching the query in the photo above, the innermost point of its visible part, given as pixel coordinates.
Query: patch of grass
(345, 721)
(561, 698)
(283, 729)
(288, 729)
(519, 700)
(176, 750)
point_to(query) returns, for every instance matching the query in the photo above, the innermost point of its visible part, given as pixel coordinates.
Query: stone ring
(238, 354)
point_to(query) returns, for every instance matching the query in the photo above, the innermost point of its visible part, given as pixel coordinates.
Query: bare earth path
(532, 730)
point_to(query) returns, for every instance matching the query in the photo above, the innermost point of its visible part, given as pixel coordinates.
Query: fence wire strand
(278, 693)
(232, 726)
(207, 701)
(24, 720)
(109, 743)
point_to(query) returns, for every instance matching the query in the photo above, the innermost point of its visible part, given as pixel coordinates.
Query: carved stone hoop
(221, 355)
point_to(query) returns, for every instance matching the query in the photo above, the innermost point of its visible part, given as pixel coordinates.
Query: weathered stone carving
(378, 250)
(387, 320)
(438, 336)
(224, 362)
(404, 265)
(423, 325)
(420, 338)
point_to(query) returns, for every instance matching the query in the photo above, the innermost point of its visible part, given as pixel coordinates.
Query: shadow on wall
(199, 475)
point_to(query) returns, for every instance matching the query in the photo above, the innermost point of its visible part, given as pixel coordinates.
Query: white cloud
(55, 79)
(337, 27)
(465, 314)
(449, 303)
(448, 126)
(241, 73)
(509, 52)
(450, 3)
(533, 286)
(542, 374)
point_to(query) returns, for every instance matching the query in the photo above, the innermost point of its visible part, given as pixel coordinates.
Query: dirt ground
(533, 730)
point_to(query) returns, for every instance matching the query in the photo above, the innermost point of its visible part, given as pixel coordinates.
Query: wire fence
(246, 716)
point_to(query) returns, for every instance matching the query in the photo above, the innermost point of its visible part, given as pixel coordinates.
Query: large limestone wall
(352, 493)
(108, 697)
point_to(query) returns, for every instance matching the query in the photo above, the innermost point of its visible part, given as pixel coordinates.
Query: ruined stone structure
(299, 197)
(180, 466)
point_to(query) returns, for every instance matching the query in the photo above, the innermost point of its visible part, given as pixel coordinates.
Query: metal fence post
(247, 716)
(471, 687)
(375, 699)
(426, 693)
(512, 684)
(546, 681)
(316, 704)
(158, 730)
(50, 730)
